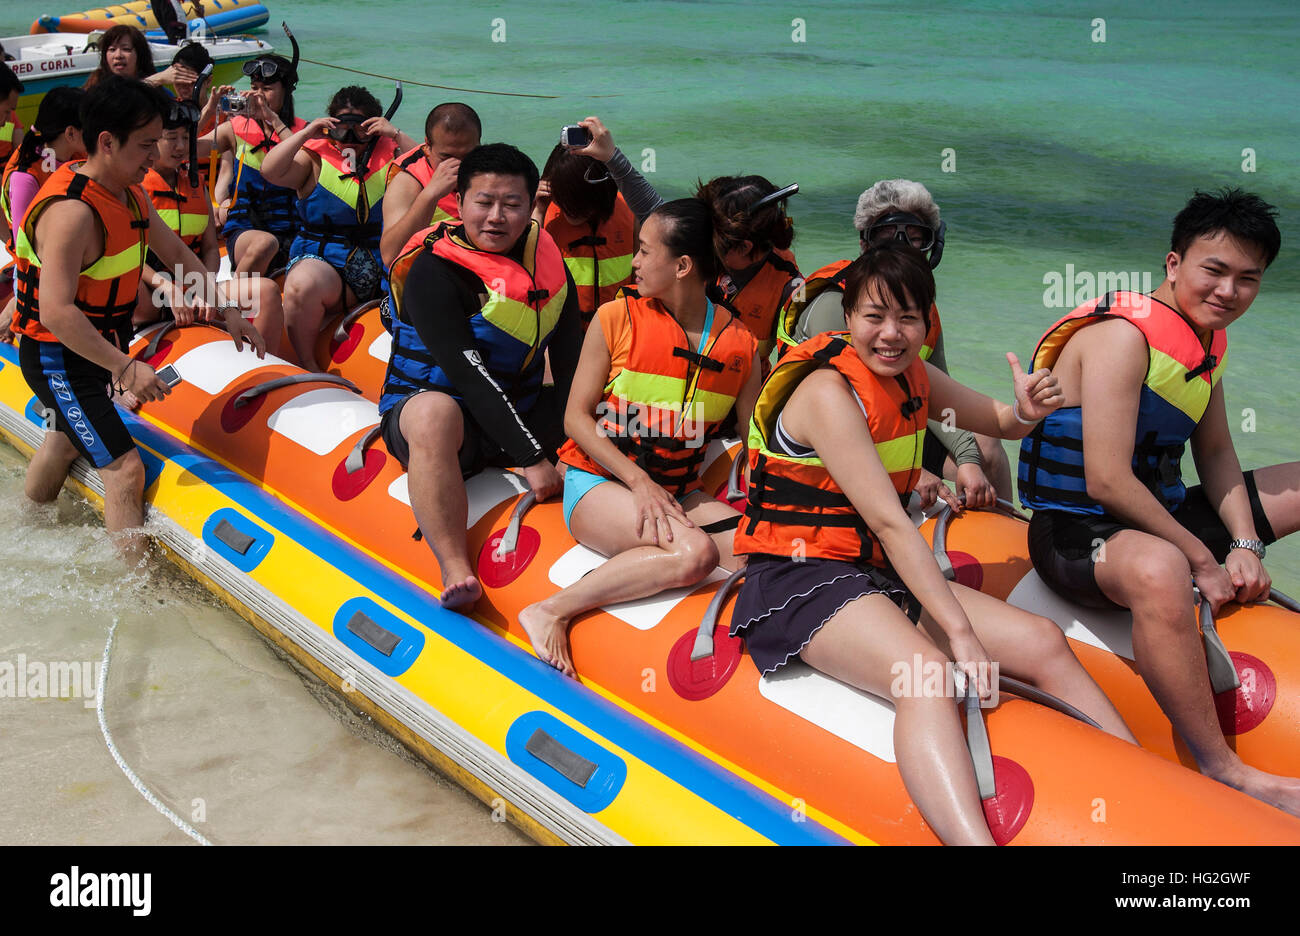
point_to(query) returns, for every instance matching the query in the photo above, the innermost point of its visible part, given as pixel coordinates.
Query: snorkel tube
(780, 195)
(374, 140)
(195, 95)
(293, 65)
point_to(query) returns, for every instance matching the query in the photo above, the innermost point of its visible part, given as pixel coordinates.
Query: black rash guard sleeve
(566, 344)
(438, 303)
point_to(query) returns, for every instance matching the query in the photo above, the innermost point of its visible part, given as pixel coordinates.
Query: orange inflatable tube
(824, 748)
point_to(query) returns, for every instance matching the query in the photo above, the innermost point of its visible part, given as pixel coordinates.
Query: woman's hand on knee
(654, 506)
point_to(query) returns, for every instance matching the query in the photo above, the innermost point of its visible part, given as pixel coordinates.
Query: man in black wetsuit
(477, 304)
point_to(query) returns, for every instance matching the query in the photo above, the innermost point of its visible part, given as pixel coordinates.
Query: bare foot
(549, 635)
(127, 400)
(460, 594)
(1282, 792)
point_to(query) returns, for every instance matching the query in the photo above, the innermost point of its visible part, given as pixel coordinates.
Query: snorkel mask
(273, 67)
(909, 229)
(348, 129)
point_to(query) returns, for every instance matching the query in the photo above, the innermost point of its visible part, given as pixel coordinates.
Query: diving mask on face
(348, 129)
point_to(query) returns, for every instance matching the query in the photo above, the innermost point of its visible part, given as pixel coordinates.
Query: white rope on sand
(112, 749)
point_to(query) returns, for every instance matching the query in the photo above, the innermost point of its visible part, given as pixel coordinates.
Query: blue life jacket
(1175, 392)
(255, 203)
(521, 304)
(344, 212)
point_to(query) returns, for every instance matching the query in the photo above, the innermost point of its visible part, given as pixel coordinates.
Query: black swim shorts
(1063, 545)
(76, 393)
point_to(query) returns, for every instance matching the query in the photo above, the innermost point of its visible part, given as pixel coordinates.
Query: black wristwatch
(1255, 546)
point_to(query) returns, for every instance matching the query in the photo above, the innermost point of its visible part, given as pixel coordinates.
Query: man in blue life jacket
(476, 306)
(1114, 525)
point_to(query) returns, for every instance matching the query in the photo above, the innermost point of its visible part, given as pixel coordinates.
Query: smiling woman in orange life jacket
(752, 237)
(186, 210)
(334, 261)
(661, 370)
(838, 573)
(902, 211)
(579, 205)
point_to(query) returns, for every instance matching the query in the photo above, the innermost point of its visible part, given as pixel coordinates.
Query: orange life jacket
(416, 164)
(760, 299)
(794, 507)
(832, 276)
(106, 289)
(599, 257)
(669, 401)
(183, 209)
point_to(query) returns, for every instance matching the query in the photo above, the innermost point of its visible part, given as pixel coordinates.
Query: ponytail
(731, 199)
(60, 109)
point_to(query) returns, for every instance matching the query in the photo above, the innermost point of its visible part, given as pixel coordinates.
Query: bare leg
(1032, 648)
(254, 251)
(861, 645)
(49, 467)
(259, 299)
(311, 290)
(434, 429)
(1152, 578)
(124, 506)
(605, 520)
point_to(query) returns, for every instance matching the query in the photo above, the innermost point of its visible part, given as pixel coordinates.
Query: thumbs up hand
(1037, 394)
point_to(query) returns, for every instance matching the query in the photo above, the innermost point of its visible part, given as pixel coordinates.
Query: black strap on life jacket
(353, 235)
(702, 361)
(784, 265)
(589, 240)
(1208, 364)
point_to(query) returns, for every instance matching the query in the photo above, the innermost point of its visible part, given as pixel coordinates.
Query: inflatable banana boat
(209, 17)
(268, 484)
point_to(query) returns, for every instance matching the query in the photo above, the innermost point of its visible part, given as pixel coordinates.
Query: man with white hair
(903, 210)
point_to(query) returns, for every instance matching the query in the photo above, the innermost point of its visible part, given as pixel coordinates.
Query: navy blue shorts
(76, 392)
(782, 604)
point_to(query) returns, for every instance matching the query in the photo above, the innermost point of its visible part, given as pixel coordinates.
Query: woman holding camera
(258, 220)
(338, 167)
(752, 234)
(579, 205)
